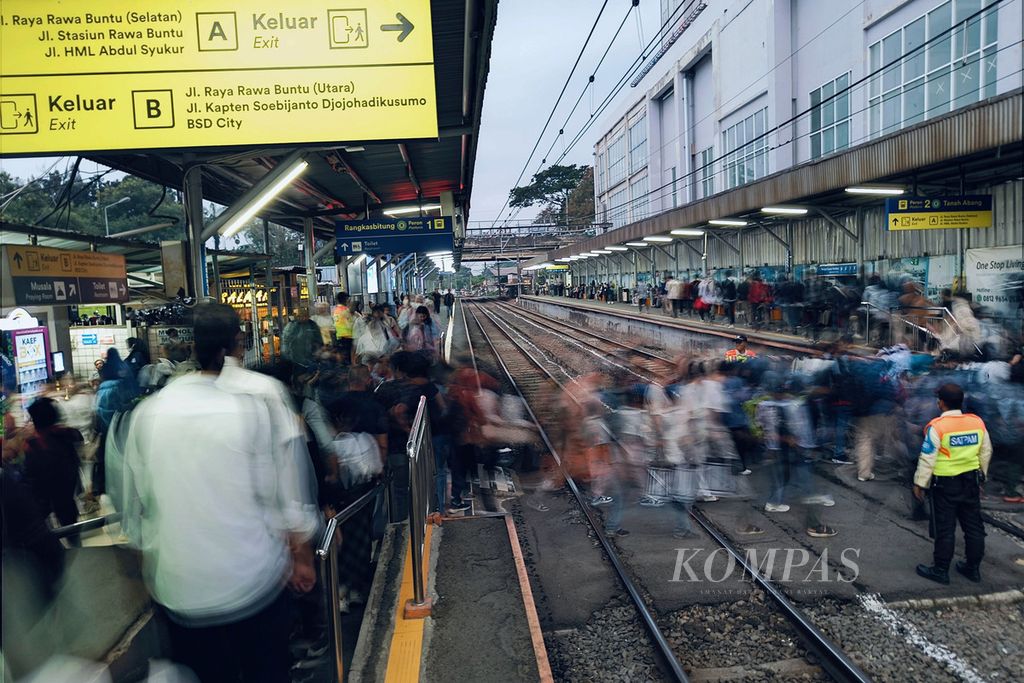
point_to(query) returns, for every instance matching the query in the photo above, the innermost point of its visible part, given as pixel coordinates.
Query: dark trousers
(461, 462)
(677, 307)
(253, 650)
(730, 310)
(957, 499)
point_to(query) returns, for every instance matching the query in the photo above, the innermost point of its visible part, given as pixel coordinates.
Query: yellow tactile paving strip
(407, 639)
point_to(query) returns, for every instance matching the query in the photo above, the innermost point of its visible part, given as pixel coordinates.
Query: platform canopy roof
(349, 176)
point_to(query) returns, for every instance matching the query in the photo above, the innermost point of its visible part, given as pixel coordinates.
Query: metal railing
(85, 525)
(420, 450)
(327, 555)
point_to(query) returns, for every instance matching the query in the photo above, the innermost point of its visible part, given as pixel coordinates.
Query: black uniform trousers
(957, 499)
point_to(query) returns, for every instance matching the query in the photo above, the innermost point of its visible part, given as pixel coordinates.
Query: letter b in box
(153, 108)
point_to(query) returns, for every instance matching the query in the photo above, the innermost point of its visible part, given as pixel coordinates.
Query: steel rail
(664, 649)
(553, 324)
(833, 659)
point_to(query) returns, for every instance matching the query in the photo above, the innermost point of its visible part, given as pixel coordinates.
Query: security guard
(740, 354)
(953, 463)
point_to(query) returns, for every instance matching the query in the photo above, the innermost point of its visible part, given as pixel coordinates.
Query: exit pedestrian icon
(18, 114)
(348, 28)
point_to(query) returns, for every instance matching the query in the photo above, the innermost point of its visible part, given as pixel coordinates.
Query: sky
(534, 47)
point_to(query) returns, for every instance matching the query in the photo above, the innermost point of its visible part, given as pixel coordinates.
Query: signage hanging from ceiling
(393, 236)
(937, 213)
(107, 75)
(40, 276)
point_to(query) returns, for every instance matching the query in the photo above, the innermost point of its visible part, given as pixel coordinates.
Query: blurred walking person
(212, 506)
(52, 464)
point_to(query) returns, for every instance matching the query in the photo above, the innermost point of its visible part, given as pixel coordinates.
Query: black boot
(933, 573)
(971, 571)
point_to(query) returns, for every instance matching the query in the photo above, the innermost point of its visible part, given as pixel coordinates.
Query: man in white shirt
(222, 521)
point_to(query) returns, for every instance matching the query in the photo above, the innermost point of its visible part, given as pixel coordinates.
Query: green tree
(550, 188)
(147, 204)
(284, 243)
(581, 205)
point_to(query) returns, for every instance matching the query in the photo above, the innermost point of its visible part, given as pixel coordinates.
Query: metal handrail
(85, 525)
(327, 554)
(893, 316)
(420, 450)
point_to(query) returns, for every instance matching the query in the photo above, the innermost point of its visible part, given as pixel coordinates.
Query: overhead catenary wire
(636, 63)
(558, 100)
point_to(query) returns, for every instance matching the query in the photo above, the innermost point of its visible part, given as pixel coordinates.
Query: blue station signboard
(393, 236)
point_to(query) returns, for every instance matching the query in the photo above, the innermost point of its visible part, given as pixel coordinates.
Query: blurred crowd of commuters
(883, 311)
(749, 427)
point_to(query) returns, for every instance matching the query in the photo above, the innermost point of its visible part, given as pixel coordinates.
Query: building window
(638, 144)
(706, 172)
(638, 200)
(830, 117)
(600, 172)
(746, 145)
(618, 208)
(617, 160)
(939, 62)
(675, 187)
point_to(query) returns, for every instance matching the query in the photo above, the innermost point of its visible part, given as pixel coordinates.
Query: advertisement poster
(995, 277)
(941, 273)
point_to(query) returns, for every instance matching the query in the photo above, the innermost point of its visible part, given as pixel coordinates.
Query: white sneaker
(772, 507)
(708, 499)
(822, 499)
(746, 472)
(867, 478)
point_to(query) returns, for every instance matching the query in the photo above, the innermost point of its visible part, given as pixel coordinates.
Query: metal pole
(255, 311)
(193, 190)
(270, 290)
(216, 269)
(415, 269)
(309, 252)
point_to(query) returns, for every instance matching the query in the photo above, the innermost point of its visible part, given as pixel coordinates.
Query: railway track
(529, 372)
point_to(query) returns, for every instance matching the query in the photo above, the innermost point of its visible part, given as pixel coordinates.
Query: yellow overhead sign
(106, 75)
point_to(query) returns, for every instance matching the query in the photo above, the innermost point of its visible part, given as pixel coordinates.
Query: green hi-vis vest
(959, 444)
(342, 322)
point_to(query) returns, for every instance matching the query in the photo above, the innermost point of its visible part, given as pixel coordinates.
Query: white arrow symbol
(72, 289)
(122, 288)
(343, 246)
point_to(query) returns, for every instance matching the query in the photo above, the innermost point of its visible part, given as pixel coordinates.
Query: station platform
(622, 318)
(480, 624)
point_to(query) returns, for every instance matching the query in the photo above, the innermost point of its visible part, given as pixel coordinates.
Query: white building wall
(741, 54)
